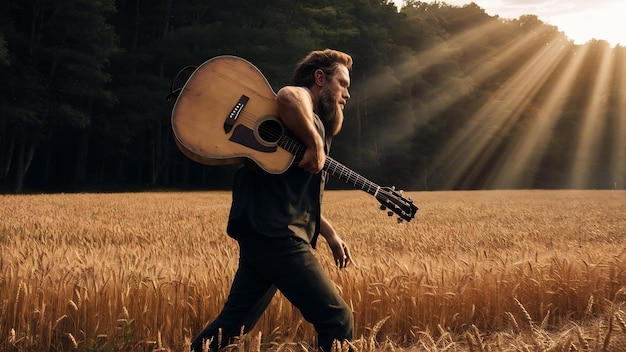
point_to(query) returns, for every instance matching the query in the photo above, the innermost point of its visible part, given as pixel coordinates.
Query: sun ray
(439, 52)
(486, 67)
(443, 95)
(475, 144)
(409, 69)
(618, 161)
(522, 160)
(593, 124)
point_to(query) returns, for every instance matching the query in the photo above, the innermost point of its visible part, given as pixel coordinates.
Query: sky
(580, 20)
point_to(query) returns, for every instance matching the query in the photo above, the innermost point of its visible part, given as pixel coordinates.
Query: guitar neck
(342, 173)
(332, 166)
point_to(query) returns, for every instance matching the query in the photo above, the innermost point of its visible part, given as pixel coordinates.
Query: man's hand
(341, 252)
(313, 160)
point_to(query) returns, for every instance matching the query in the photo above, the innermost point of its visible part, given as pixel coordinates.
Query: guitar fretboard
(332, 166)
(342, 173)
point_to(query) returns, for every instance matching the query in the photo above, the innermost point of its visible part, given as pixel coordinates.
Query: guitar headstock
(394, 202)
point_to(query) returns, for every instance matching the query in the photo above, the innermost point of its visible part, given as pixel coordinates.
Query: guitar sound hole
(270, 131)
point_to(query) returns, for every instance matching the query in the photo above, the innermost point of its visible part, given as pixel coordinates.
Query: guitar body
(219, 113)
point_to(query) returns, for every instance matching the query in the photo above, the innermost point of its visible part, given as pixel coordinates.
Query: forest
(442, 97)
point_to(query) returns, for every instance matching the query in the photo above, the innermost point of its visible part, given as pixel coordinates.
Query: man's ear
(319, 77)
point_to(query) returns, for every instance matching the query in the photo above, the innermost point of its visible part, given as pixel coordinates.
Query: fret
(341, 172)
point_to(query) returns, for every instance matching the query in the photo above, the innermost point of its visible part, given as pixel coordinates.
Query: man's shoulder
(291, 92)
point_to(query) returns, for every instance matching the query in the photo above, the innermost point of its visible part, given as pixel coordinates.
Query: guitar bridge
(234, 113)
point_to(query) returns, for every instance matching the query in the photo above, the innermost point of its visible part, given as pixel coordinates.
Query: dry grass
(475, 271)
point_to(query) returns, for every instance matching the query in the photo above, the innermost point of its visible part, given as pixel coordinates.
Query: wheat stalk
(429, 339)
(72, 340)
(544, 322)
(470, 340)
(527, 316)
(12, 337)
(581, 338)
(605, 344)
(479, 339)
(375, 329)
(621, 321)
(514, 321)
(589, 308)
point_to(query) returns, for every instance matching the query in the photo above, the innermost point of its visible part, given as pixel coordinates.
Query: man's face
(333, 97)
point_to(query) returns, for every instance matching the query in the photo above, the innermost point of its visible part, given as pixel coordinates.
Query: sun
(580, 20)
(603, 22)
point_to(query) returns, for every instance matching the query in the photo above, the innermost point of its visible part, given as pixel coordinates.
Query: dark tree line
(83, 85)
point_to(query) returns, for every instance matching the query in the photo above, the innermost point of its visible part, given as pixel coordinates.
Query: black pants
(287, 264)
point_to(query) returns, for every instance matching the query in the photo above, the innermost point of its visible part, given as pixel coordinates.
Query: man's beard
(330, 113)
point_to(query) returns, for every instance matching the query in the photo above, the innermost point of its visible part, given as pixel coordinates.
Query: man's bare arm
(295, 108)
(341, 252)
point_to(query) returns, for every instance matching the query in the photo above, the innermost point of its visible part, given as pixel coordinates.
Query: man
(276, 219)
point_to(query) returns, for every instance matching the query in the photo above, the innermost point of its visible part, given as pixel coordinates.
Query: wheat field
(475, 271)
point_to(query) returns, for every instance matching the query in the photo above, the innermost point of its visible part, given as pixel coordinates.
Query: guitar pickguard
(245, 136)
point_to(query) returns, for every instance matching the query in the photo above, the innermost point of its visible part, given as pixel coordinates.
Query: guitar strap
(175, 92)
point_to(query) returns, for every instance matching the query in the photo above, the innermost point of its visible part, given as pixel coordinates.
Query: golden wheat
(146, 272)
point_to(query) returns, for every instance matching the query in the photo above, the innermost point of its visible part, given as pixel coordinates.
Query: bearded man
(276, 218)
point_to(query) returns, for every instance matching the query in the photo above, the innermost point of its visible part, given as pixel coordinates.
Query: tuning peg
(400, 220)
(383, 207)
(390, 213)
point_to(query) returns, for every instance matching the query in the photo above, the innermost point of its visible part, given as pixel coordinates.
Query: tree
(57, 83)
(4, 53)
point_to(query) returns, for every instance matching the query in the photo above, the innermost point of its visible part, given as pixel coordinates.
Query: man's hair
(327, 60)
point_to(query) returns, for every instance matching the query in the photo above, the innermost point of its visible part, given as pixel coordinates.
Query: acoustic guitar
(227, 113)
